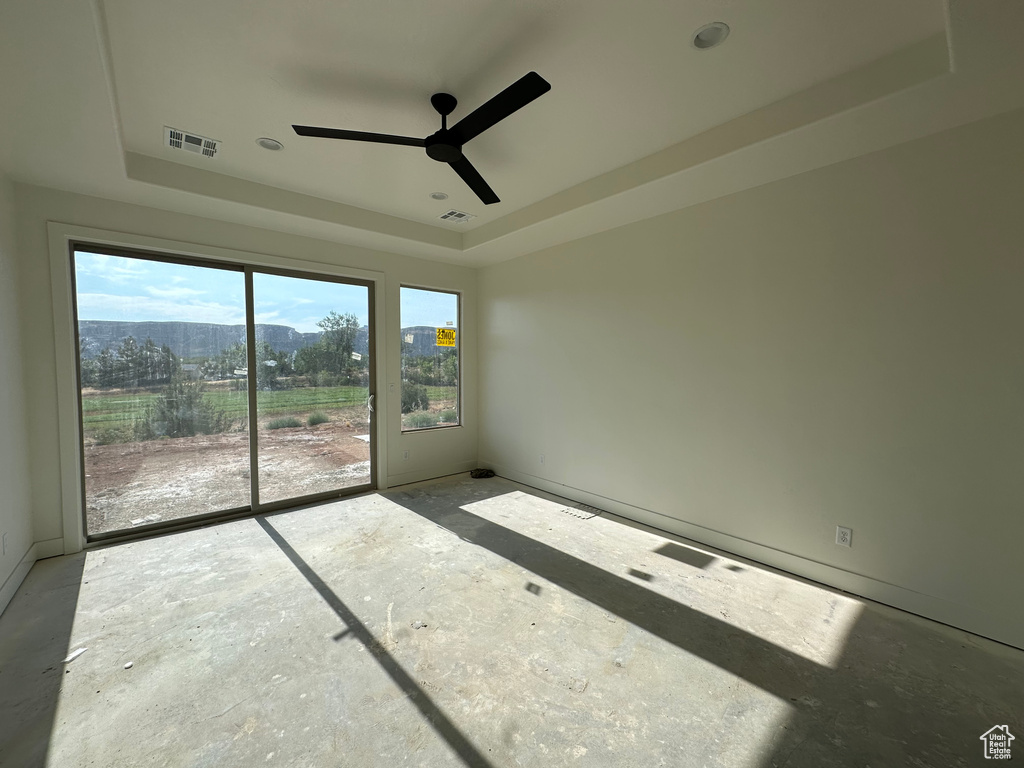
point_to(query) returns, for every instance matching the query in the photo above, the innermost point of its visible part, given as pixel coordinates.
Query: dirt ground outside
(132, 484)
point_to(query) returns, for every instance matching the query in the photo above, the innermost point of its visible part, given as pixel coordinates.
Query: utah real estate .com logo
(997, 742)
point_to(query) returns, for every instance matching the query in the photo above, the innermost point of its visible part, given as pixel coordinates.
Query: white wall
(15, 511)
(437, 453)
(841, 347)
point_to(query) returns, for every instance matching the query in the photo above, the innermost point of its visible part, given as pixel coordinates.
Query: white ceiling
(637, 120)
(625, 83)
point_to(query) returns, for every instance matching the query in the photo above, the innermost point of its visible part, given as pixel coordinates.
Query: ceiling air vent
(456, 216)
(192, 142)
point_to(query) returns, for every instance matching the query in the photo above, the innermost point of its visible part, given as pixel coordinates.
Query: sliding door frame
(63, 240)
(250, 339)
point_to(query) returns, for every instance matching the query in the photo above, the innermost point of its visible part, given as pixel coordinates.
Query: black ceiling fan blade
(476, 182)
(337, 133)
(516, 96)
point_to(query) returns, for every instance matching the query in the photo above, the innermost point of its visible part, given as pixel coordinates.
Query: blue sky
(117, 288)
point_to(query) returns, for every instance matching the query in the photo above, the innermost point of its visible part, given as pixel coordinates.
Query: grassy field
(107, 410)
(439, 395)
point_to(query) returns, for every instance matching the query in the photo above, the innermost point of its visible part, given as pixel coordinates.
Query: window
(430, 359)
(209, 389)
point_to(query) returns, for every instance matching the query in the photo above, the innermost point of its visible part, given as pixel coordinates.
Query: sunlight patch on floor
(802, 618)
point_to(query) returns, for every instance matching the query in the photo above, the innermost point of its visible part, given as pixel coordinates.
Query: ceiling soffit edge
(153, 170)
(904, 69)
(884, 77)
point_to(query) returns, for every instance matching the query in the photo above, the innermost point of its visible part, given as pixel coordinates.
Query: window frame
(458, 358)
(61, 238)
(247, 270)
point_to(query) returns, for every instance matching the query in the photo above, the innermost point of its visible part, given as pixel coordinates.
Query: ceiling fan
(445, 146)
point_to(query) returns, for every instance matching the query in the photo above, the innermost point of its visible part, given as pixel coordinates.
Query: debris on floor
(145, 520)
(418, 625)
(129, 665)
(74, 655)
(478, 474)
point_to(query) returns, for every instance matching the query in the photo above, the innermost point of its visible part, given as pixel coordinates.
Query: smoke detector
(456, 216)
(178, 139)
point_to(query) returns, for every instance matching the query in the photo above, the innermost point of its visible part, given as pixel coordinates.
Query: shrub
(111, 435)
(421, 419)
(283, 423)
(317, 417)
(449, 416)
(181, 410)
(414, 398)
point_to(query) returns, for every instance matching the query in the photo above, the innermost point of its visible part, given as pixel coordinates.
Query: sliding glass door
(311, 402)
(210, 388)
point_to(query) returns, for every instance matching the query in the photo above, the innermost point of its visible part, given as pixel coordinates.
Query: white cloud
(105, 306)
(173, 293)
(112, 268)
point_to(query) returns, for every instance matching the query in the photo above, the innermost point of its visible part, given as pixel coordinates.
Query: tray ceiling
(637, 118)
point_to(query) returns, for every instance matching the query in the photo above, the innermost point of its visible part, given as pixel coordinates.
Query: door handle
(369, 403)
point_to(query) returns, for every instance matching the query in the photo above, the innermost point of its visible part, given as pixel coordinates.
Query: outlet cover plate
(844, 536)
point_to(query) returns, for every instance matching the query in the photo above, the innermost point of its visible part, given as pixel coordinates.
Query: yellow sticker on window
(446, 337)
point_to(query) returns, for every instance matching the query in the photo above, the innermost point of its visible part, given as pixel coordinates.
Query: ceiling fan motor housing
(442, 148)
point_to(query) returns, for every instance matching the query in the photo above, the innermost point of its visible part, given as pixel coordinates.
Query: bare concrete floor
(475, 622)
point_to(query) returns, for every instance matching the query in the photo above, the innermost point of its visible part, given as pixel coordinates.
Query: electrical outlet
(405, 455)
(844, 536)
(542, 458)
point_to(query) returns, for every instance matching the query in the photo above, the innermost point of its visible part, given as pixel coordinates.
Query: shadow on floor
(905, 691)
(771, 667)
(35, 631)
(693, 557)
(354, 627)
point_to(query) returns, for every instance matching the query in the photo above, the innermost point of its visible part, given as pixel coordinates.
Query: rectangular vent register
(191, 142)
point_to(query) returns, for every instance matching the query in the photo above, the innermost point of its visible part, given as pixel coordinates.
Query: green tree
(270, 364)
(88, 367)
(149, 362)
(426, 366)
(130, 365)
(331, 356)
(450, 370)
(127, 367)
(169, 365)
(310, 360)
(338, 340)
(228, 361)
(106, 369)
